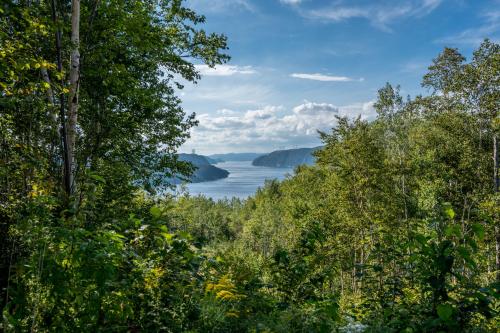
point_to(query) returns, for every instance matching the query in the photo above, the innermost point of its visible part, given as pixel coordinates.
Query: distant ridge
(213, 160)
(204, 170)
(289, 158)
(234, 157)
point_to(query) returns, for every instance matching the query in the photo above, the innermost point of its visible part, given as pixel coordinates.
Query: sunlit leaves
(444, 311)
(448, 210)
(155, 211)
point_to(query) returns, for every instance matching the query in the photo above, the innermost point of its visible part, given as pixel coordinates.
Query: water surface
(243, 180)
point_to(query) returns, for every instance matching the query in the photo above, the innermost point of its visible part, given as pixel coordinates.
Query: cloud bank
(380, 14)
(224, 70)
(323, 77)
(267, 128)
(488, 28)
(221, 6)
(291, 2)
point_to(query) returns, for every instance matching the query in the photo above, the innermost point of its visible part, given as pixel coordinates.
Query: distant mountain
(195, 159)
(213, 160)
(286, 158)
(204, 170)
(234, 157)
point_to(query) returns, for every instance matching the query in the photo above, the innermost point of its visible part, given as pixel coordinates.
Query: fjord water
(243, 180)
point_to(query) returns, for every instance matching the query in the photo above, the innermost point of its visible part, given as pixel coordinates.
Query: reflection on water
(243, 180)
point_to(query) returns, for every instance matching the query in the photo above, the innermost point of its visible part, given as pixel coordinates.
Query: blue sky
(298, 63)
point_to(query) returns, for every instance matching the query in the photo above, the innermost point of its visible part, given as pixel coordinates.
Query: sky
(296, 64)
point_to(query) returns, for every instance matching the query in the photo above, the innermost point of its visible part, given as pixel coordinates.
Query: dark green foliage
(289, 158)
(203, 169)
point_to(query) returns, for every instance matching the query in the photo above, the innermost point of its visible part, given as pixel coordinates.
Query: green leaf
(168, 237)
(478, 230)
(448, 210)
(453, 230)
(155, 211)
(444, 311)
(464, 253)
(421, 239)
(184, 235)
(98, 178)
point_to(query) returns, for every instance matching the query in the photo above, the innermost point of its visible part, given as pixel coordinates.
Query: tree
(89, 114)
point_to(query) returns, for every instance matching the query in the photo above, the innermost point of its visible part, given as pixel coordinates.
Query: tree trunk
(496, 181)
(497, 250)
(62, 108)
(50, 93)
(74, 78)
(496, 178)
(52, 101)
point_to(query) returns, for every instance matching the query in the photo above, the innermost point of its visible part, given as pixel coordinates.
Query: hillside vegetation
(395, 228)
(288, 158)
(203, 169)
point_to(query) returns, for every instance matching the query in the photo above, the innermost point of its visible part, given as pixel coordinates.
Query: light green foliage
(392, 230)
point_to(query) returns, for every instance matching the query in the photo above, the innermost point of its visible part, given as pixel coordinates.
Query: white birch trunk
(74, 76)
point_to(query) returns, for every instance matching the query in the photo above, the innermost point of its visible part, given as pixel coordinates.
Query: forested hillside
(289, 158)
(203, 170)
(395, 228)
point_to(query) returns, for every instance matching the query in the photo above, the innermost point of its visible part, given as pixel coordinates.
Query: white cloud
(428, 6)
(291, 2)
(310, 108)
(364, 110)
(226, 112)
(266, 128)
(323, 77)
(490, 28)
(378, 13)
(224, 70)
(220, 6)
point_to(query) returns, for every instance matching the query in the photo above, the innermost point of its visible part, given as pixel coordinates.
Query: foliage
(394, 229)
